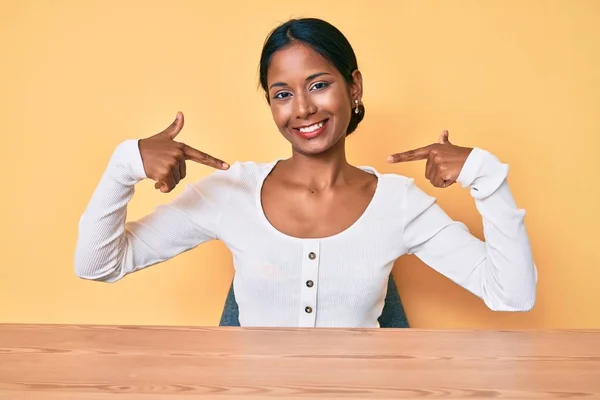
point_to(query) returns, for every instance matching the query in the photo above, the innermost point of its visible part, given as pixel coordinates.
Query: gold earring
(356, 110)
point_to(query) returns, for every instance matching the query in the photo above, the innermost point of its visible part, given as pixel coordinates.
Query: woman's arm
(108, 247)
(499, 270)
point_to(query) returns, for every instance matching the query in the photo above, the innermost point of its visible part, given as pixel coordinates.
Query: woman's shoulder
(394, 188)
(390, 180)
(240, 174)
(249, 171)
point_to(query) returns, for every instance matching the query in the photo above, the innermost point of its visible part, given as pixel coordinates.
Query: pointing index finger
(412, 155)
(203, 158)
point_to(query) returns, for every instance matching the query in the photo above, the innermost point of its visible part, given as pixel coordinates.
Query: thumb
(173, 130)
(444, 137)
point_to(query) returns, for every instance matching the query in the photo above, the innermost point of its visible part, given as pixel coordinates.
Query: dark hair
(322, 37)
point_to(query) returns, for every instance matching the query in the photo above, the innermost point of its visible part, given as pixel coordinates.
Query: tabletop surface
(132, 362)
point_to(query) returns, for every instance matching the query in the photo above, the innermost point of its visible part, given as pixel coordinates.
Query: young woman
(313, 238)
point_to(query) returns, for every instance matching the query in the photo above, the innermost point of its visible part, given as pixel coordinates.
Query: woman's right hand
(164, 158)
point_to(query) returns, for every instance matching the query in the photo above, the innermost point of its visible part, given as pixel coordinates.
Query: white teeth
(311, 128)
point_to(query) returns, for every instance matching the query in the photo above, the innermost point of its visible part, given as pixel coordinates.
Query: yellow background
(519, 78)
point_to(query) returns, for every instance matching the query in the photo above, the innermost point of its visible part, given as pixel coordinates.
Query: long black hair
(322, 37)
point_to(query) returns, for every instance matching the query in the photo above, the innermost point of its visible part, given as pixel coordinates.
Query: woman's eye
(282, 95)
(319, 85)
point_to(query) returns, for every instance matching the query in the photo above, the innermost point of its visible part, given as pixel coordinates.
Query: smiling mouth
(311, 131)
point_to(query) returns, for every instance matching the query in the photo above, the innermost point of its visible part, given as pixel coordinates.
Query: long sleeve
(108, 247)
(500, 270)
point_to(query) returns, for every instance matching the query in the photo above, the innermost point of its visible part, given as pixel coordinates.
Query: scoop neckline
(355, 225)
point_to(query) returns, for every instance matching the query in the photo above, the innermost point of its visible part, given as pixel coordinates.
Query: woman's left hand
(444, 160)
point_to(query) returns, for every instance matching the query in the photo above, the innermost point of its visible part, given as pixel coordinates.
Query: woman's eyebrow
(313, 76)
(309, 78)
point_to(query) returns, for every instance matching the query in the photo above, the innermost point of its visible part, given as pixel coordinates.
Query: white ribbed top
(349, 270)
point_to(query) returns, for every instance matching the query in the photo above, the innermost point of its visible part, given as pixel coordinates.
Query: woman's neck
(321, 171)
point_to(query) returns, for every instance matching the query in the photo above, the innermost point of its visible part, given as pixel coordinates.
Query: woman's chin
(313, 147)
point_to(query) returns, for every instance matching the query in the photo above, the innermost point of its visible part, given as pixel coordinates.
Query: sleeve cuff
(482, 173)
(127, 162)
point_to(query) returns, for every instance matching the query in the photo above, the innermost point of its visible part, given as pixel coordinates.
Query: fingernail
(225, 165)
(390, 159)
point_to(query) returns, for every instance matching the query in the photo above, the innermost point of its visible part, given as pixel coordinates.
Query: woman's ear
(356, 89)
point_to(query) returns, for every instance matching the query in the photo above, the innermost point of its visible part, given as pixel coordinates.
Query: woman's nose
(304, 107)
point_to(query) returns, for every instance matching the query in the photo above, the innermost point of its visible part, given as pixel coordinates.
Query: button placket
(310, 272)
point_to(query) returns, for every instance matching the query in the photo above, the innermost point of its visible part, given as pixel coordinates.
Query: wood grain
(129, 362)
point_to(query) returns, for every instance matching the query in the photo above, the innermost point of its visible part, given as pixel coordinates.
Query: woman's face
(310, 101)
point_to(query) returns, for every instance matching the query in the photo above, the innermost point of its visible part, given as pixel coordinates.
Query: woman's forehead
(297, 61)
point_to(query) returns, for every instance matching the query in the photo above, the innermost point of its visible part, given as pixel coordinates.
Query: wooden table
(127, 362)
